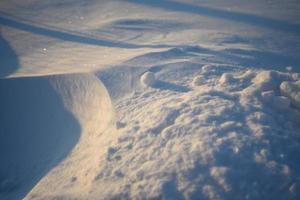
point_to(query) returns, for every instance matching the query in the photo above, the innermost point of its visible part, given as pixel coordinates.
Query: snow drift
(42, 120)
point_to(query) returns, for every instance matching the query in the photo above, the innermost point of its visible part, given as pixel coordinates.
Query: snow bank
(37, 132)
(42, 120)
(87, 98)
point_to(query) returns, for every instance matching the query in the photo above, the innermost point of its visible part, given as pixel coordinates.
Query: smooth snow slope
(219, 119)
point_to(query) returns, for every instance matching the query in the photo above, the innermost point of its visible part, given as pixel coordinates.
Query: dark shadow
(8, 59)
(222, 14)
(170, 86)
(36, 133)
(147, 25)
(170, 191)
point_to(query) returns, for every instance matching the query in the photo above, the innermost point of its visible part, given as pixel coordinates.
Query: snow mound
(212, 142)
(291, 90)
(266, 80)
(148, 79)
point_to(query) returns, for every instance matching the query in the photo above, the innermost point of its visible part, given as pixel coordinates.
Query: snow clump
(291, 90)
(148, 79)
(226, 78)
(198, 80)
(266, 80)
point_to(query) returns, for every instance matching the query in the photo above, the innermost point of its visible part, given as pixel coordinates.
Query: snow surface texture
(206, 96)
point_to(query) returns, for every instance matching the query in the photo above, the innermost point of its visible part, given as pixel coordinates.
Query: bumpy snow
(291, 90)
(215, 140)
(220, 140)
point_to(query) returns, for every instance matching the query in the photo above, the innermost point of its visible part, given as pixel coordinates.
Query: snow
(42, 119)
(148, 79)
(209, 133)
(226, 78)
(149, 99)
(34, 135)
(291, 90)
(198, 80)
